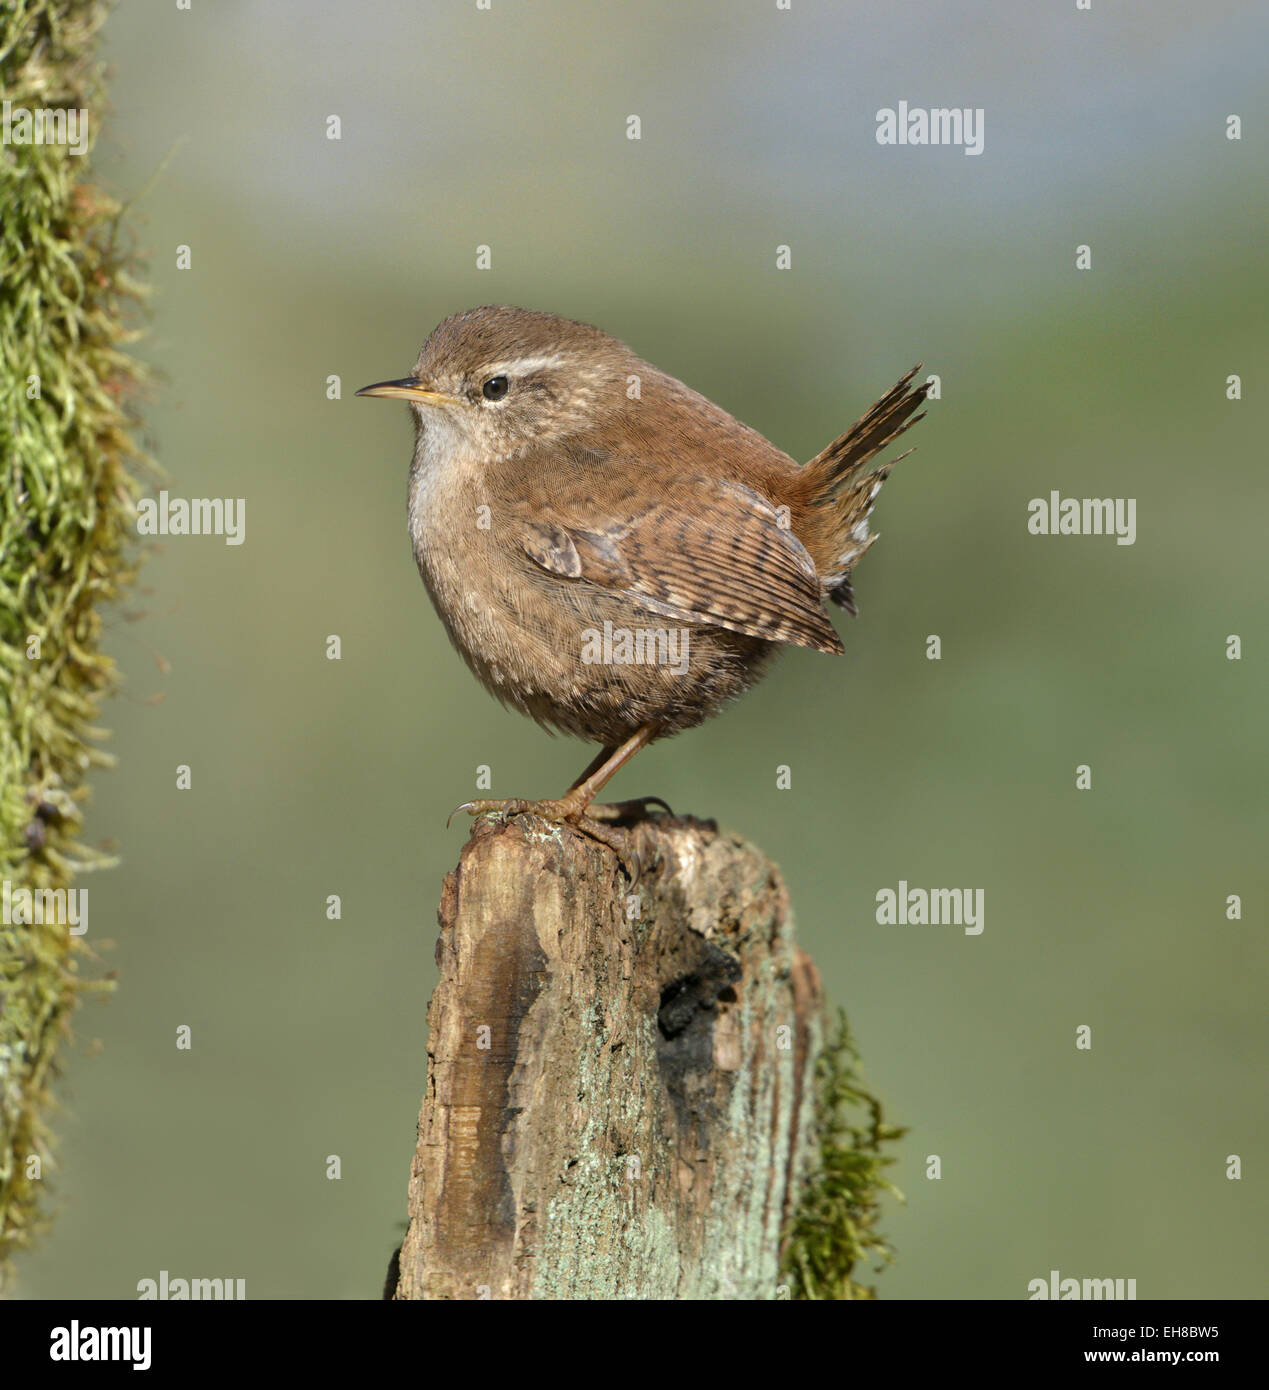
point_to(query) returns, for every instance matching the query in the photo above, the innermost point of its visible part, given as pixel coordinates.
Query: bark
(619, 1083)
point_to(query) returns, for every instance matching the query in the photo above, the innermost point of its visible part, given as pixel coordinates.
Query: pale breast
(453, 528)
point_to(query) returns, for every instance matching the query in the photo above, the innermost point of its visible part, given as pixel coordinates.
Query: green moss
(68, 307)
(835, 1226)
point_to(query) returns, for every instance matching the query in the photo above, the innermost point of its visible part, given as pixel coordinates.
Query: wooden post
(619, 1087)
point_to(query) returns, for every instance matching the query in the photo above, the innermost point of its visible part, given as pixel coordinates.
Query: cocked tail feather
(841, 496)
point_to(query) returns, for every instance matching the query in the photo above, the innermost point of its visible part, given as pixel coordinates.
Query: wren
(613, 554)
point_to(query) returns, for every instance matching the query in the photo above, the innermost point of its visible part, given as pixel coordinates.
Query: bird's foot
(561, 810)
(573, 814)
(634, 809)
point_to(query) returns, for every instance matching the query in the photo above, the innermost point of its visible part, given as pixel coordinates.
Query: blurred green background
(1106, 907)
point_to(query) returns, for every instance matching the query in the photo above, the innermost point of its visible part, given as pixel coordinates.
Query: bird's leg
(573, 806)
(605, 765)
(595, 766)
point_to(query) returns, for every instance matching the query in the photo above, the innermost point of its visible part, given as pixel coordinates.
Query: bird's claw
(516, 806)
(634, 809)
(562, 812)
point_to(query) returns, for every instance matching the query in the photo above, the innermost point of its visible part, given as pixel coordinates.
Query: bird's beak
(409, 389)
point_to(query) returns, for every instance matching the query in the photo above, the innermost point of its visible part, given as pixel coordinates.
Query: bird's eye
(495, 388)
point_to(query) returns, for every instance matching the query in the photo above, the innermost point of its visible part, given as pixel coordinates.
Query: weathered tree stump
(619, 1086)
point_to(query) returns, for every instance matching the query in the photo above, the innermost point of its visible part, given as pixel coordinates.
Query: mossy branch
(68, 308)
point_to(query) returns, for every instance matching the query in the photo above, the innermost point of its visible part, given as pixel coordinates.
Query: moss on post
(835, 1224)
(68, 305)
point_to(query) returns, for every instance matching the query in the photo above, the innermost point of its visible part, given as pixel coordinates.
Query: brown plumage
(562, 488)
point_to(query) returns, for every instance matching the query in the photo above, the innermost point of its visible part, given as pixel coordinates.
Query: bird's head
(499, 380)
